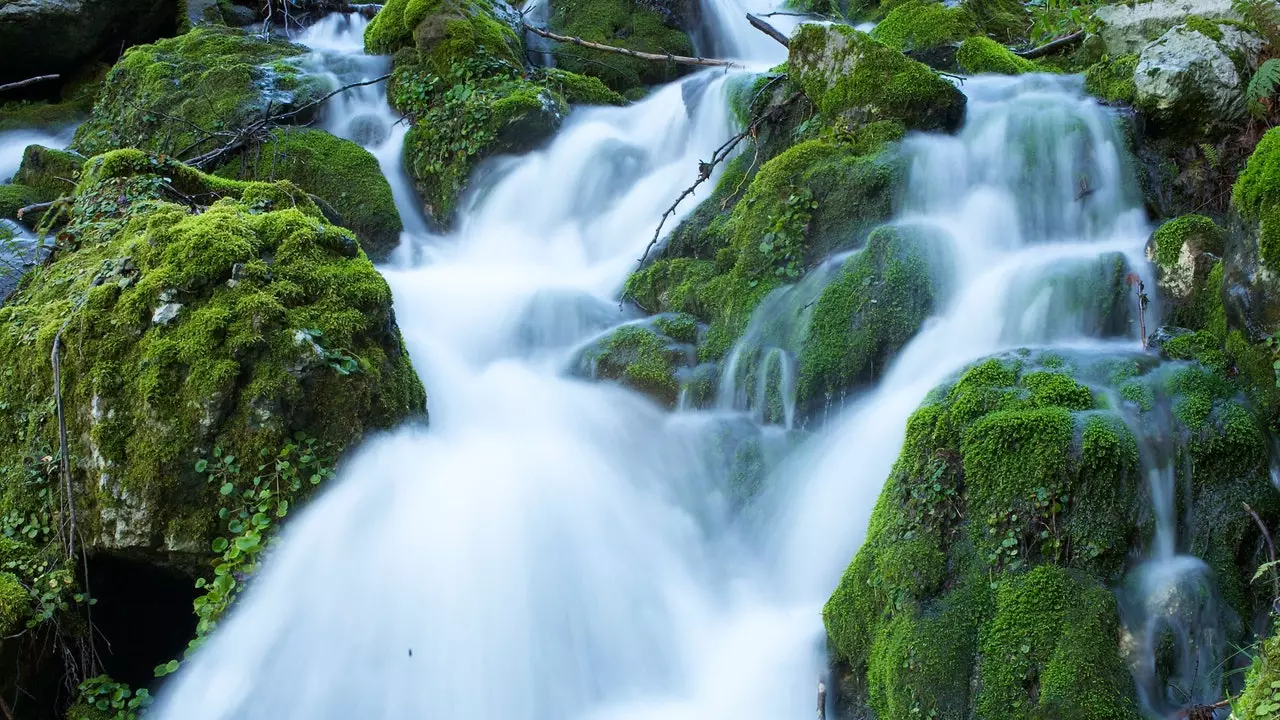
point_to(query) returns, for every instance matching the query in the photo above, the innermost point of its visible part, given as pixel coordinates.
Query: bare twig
(657, 57)
(1051, 47)
(769, 30)
(28, 81)
(705, 168)
(4, 708)
(64, 461)
(1271, 548)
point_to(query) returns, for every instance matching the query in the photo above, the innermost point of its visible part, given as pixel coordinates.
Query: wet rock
(1126, 28)
(1190, 79)
(1164, 335)
(204, 12)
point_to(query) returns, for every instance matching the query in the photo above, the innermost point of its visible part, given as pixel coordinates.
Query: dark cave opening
(143, 616)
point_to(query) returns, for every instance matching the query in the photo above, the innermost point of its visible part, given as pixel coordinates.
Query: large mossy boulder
(918, 26)
(339, 172)
(983, 55)
(1190, 81)
(983, 586)
(42, 37)
(848, 75)
(1187, 254)
(170, 96)
(182, 332)
(651, 27)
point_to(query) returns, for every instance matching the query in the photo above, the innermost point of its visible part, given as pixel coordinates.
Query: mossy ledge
(232, 328)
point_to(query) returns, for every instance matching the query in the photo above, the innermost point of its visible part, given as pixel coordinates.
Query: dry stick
(1051, 47)
(1271, 547)
(36, 207)
(4, 708)
(63, 461)
(28, 81)
(657, 57)
(705, 168)
(769, 30)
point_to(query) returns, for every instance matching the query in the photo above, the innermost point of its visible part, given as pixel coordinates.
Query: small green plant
(784, 244)
(1273, 344)
(1262, 16)
(101, 698)
(250, 509)
(1051, 19)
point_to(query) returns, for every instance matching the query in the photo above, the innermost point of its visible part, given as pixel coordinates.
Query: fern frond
(1262, 85)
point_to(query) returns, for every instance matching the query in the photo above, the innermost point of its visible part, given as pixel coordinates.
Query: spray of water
(552, 548)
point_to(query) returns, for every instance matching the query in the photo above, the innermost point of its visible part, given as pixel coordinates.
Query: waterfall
(553, 548)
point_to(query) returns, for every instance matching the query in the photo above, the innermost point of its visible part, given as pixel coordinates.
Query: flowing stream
(554, 548)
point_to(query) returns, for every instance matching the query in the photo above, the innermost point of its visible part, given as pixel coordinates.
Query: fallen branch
(769, 30)
(1051, 47)
(705, 168)
(64, 462)
(657, 57)
(36, 207)
(28, 81)
(1271, 548)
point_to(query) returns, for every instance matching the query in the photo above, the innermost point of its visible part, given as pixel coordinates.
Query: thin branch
(705, 168)
(1271, 548)
(36, 207)
(28, 81)
(657, 57)
(64, 461)
(1051, 47)
(769, 30)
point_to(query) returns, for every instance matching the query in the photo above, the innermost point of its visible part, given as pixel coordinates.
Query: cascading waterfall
(552, 548)
(19, 248)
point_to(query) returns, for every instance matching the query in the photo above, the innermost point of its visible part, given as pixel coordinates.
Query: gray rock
(1126, 29)
(1188, 81)
(41, 37)
(166, 313)
(204, 12)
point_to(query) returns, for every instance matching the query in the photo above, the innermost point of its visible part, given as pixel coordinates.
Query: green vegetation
(641, 359)
(1203, 234)
(339, 172)
(1005, 21)
(923, 24)
(621, 23)
(1111, 79)
(1256, 195)
(983, 55)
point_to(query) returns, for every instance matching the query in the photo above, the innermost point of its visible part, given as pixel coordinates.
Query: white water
(553, 549)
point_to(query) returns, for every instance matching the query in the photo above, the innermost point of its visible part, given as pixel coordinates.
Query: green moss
(1112, 79)
(15, 603)
(338, 171)
(1203, 347)
(640, 359)
(582, 89)
(15, 197)
(983, 55)
(166, 97)
(1204, 233)
(49, 173)
(1208, 28)
(1257, 187)
(447, 31)
(1053, 637)
(621, 23)
(847, 74)
(865, 315)
(923, 24)
(1006, 21)
(680, 327)
(1261, 695)
(232, 328)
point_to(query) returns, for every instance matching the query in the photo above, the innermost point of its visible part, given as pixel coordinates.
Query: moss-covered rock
(982, 587)
(1187, 253)
(339, 172)
(1111, 79)
(232, 328)
(1005, 21)
(918, 25)
(1251, 264)
(165, 97)
(865, 315)
(49, 173)
(15, 197)
(983, 55)
(848, 75)
(581, 89)
(645, 358)
(628, 24)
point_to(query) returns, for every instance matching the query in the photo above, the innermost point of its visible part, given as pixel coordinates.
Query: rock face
(1192, 78)
(1126, 28)
(40, 37)
(234, 328)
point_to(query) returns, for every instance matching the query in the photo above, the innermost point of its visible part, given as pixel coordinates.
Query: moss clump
(679, 327)
(1112, 79)
(865, 315)
(233, 328)
(983, 55)
(50, 173)
(581, 89)
(15, 603)
(1208, 28)
(923, 24)
(15, 197)
(981, 589)
(640, 359)
(1257, 187)
(620, 23)
(157, 95)
(1006, 21)
(1203, 233)
(338, 171)
(448, 30)
(847, 74)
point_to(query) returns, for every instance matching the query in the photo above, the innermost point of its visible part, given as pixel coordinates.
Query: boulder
(41, 37)
(653, 26)
(1186, 252)
(1125, 28)
(647, 358)
(1191, 80)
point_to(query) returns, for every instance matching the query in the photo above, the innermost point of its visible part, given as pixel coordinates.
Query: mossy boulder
(1187, 253)
(41, 37)
(632, 24)
(1251, 270)
(339, 172)
(1005, 21)
(165, 97)
(925, 30)
(14, 197)
(181, 332)
(865, 315)
(49, 173)
(851, 77)
(1111, 79)
(645, 357)
(983, 55)
(15, 603)
(982, 589)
